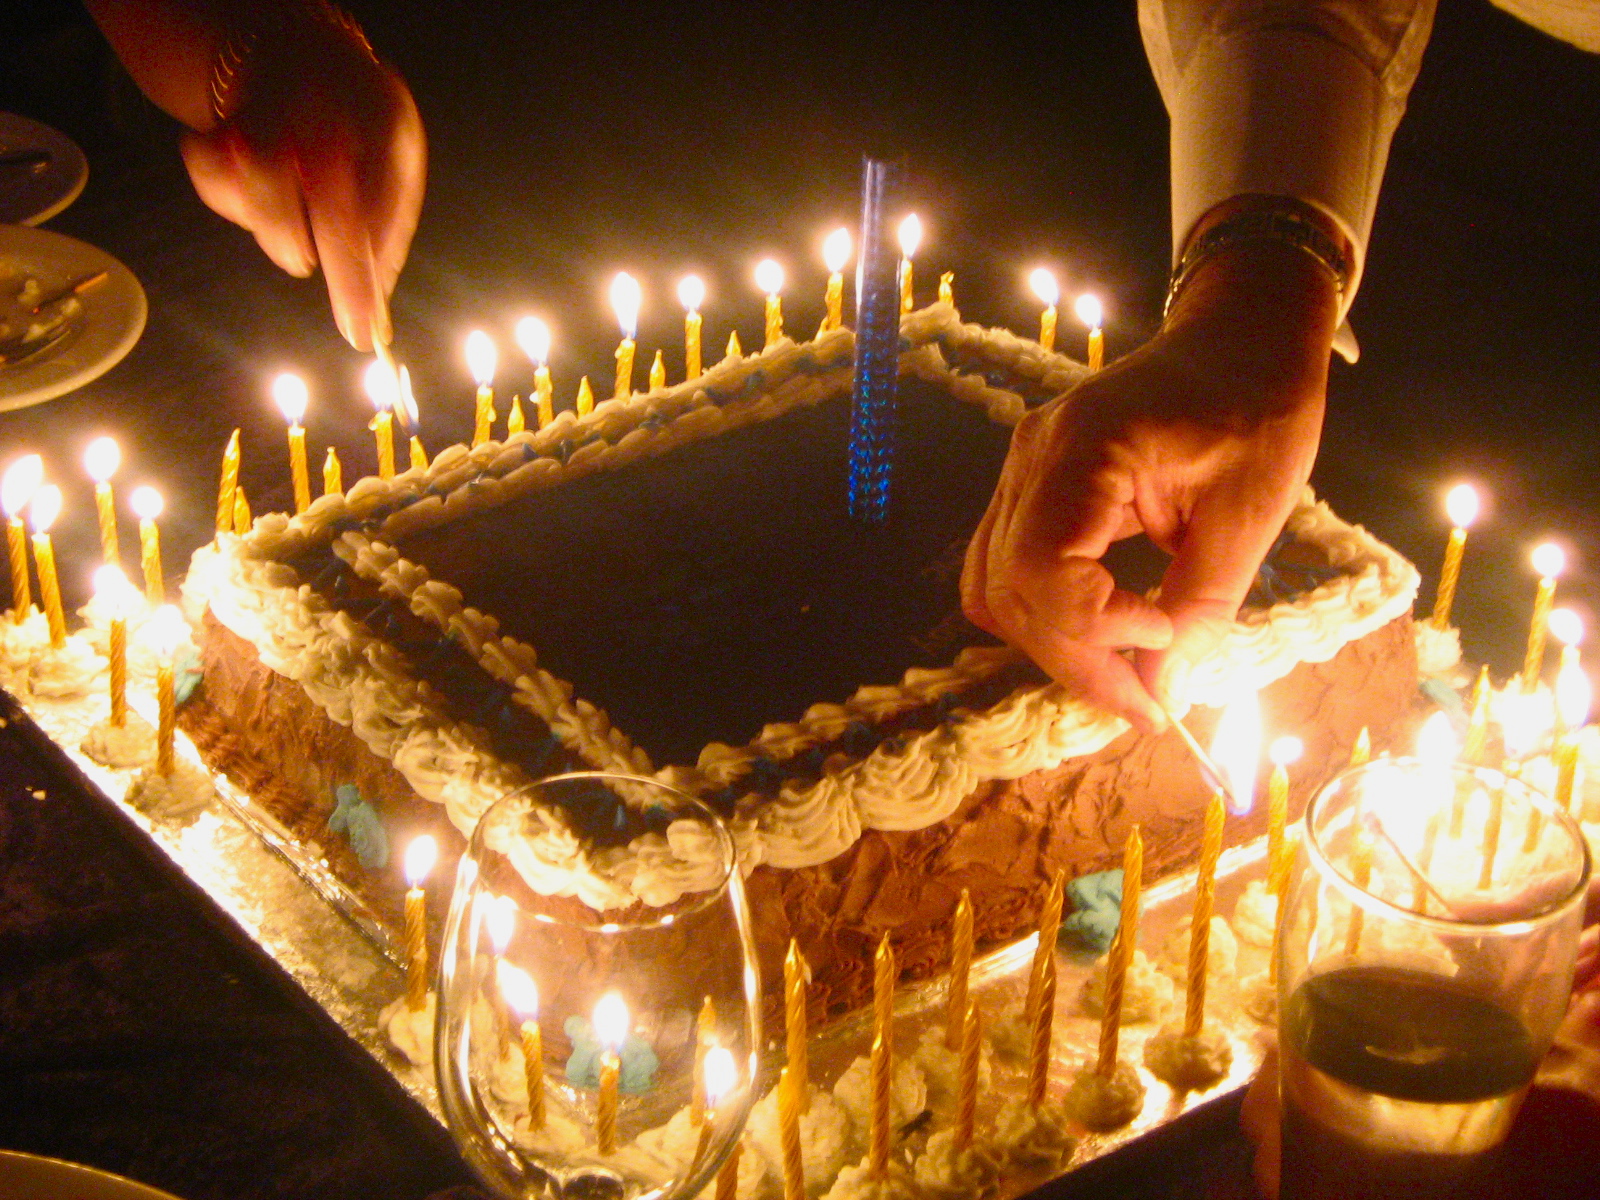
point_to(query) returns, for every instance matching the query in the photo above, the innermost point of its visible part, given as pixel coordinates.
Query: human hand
(324, 163)
(1202, 439)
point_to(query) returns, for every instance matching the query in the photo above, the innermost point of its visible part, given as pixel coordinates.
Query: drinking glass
(598, 924)
(1425, 958)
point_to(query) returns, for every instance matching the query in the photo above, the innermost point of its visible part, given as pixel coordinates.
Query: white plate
(110, 323)
(31, 194)
(29, 1177)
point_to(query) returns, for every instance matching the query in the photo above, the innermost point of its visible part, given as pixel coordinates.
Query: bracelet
(1284, 222)
(238, 56)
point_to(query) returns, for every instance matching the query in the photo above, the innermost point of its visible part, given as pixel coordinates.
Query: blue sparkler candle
(877, 363)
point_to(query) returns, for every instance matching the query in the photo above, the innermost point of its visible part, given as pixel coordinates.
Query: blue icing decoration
(186, 675)
(638, 1066)
(1097, 910)
(358, 821)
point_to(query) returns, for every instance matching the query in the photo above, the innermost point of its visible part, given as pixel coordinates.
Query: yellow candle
(521, 996)
(21, 591)
(21, 480)
(836, 250)
(1461, 505)
(241, 511)
(229, 480)
(882, 1065)
(1361, 876)
(1194, 1013)
(691, 294)
(611, 1025)
(1047, 328)
(45, 509)
(166, 718)
(118, 655)
(419, 456)
(884, 975)
(290, 393)
(1049, 292)
(332, 474)
(147, 506)
(833, 299)
(955, 1012)
(533, 335)
(794, 1174)
(947, 288)
(1477, 741)
(728, 1176)
(101, 460)
(1091, 313)
(1361, 752)
(483, 416)
(910, 239)
(421, 855)
(1039, 1043)
(1574, 698)
(769, 278)
(704, 1037)
(481, 360)
(533, 1069)
(1491, 835)
(1097, 349)
(795, 972)
(1120, 957)
(1284, 751)
(546, 400)
(585, 402)
(383, 389)
(967, 1075)
(515, 421)
(658, 373)
(1566, 770)
(1549, 560)
(1044, 952)
(383, 431)
(625, 300)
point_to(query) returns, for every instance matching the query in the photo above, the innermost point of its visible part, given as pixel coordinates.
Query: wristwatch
(1283, 221)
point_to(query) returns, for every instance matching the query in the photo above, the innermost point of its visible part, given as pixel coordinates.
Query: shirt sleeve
(1284, 97)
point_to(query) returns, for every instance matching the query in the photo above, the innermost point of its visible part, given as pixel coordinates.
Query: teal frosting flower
(1097, 910)
(638, 1060)
(185, 675)
(358, 821)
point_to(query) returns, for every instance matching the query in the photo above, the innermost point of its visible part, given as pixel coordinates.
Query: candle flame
(1436, 742)
(1236, 747)
(1461, 505)
(481, 357)
(382, 385)
(769, 276)
(836, 248)
(1285, 751)
(611, 1021)
(519, 989)
(166, 630)
(910, 235)
(101, 459)
(1089, 309)
(21, 480)
(146, 503)
(533, 335)
(625, 300)
(405, 406)
(421, 855)
(1549, 560)
(1044, 286)
(112, 586)
(46, 507)
(1566, 626)
(721, 1073)
(1574, 696)
(289, 391)
(691, 292)
(502, 922)
(1524, 717)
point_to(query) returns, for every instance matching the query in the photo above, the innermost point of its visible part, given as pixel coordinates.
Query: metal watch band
(1283, 224)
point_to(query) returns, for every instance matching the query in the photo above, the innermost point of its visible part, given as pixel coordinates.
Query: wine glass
(598, 946)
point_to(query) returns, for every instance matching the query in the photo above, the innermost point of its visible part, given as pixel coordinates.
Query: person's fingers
(344, 240)
(259, 191)
(1588, 964)
(975, 567)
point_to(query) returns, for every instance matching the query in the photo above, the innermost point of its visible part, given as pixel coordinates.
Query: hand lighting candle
(383, 389)
(332, 474)
(769, 278)
(101, 460)
(1045, 287)
(1092, 313)
(481, 359)
(1461, 505)
(421, 855)
(611, 1024)
(1284, 753)
(625, 301)
(111, 588)
(21, 480)
(165, 631)
(533, 335)
(521, 996)
(289, 391)
(42, 513)
(691, 294)
(1549, 560)
(795, 975)
(227, 482)
(910, 240)
(147, 505)
(955, 1009)
(836, 248)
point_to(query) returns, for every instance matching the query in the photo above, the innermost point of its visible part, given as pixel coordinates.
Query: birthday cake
(671, 586)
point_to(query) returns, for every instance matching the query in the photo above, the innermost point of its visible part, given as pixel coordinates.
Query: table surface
(137, 1034)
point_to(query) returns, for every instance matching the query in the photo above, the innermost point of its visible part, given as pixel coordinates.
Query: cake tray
(336, 950)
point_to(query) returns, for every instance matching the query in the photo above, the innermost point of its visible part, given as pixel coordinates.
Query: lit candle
(241, 511)
(112, 589)
(1574, 698)
(421, 855)
(1284, 753)
(290, 393)
(481, 359)
(1121, 956)
(795, 973)
(101, 460)
(611, 1023)
(585, 402)
(836, 248)
(1049, 292)
(691, 294)
(21, 480)
(955, 1011)
(720, 1075)
(1092, 313)
(1477, 741)
(794, 1175)
(967, 1075)
(500, 919)
(228, 481)
(947, 289)
(147, 505)
(332, 474)
(383, 389)
(1436, 750)
(166, 629)
(910, 239)
(885, 973)
(521, 995)
(419, 456)
(734, 350)
(42, 513)
(1461, 505)
(625, 301)
(769, 278)
(658, 372)
(1549, 560)
(533, 335)
(705, 1036)
(516, 422)
(1194, 1012)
